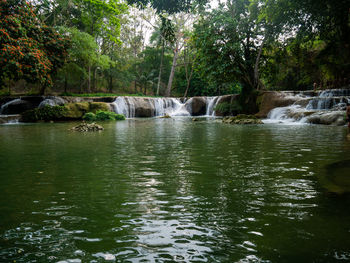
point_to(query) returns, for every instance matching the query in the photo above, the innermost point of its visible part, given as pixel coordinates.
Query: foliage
(68, 94)
(46, 113)
(103, 116)
(89, 116)
(169, 6)
(226, 108)
(30, 50)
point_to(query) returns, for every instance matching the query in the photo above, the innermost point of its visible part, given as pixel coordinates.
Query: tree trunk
(89, 80)
(256, 67)
(65, 83)
(110, 84)
(160, 69)
(172, 72)
(188, 82)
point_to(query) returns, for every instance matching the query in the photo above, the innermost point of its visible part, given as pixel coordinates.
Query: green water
(173, 190)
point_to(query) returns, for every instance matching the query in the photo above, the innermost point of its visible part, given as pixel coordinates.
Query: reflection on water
(336, 177)
(172, 190)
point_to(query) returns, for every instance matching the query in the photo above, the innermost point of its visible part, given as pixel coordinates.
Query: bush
(47, 113)
(89, 116)
(103, 116)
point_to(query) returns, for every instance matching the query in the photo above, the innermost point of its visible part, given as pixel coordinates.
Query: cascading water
(5, 106)
(327, 107)
(132, 107)
(211, 104)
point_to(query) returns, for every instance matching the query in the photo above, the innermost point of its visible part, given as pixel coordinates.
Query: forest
(172, 48)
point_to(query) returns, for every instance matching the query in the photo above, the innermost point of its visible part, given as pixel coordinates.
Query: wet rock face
(144, 108)
(198, 106)
(272, 99)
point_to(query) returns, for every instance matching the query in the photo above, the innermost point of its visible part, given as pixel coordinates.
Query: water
(173, 190)
(327, 107)
(161, 106)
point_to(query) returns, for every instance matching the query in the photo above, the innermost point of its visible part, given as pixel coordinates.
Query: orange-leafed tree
(29, 49)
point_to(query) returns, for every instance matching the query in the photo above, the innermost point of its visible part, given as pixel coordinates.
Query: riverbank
(320, 107)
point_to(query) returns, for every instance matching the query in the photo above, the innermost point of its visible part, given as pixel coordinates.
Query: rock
(104, 99)
(52, 101)
(269, 100)
(87, 127)
(166, 116)
(242, 119)
(143, 107)
(199, 106)
(78, 109)
(9, 118)
(17, 106)
(327, 118)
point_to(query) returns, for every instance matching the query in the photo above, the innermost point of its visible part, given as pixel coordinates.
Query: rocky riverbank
(320, 107)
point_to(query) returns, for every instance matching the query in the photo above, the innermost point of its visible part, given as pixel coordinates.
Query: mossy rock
(242, 119)
(78, 109)
(96, 106)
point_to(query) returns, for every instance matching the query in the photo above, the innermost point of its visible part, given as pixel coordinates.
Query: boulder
(198, 106)
(52, 101)
(144, 107)
(269, 100)
(78, 109)
(327, 118)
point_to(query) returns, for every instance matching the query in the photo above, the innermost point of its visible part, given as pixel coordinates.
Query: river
(173, 190)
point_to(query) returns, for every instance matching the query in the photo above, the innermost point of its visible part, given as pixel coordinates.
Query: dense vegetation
(178, 48)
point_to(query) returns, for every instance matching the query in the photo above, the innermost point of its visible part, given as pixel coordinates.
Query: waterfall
(211, 104)
(4, 107)
(327, 107)
(132, 107)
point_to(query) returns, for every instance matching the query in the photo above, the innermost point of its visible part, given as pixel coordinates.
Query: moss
(47, 113)
(96, 106)
(79, 109)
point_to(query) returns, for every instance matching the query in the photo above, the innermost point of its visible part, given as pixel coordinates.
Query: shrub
(119, 117)
(47, 113)
(103, 116)
(89, 116)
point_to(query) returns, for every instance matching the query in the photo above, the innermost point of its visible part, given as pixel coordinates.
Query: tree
(229, 40)
(30, 50)
(169, 6)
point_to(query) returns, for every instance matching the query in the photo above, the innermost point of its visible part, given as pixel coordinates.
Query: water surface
(173, 190)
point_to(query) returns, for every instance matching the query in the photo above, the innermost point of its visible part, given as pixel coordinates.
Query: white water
(4, 107)
(128, 106)
(328, 107)
(211, 104)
